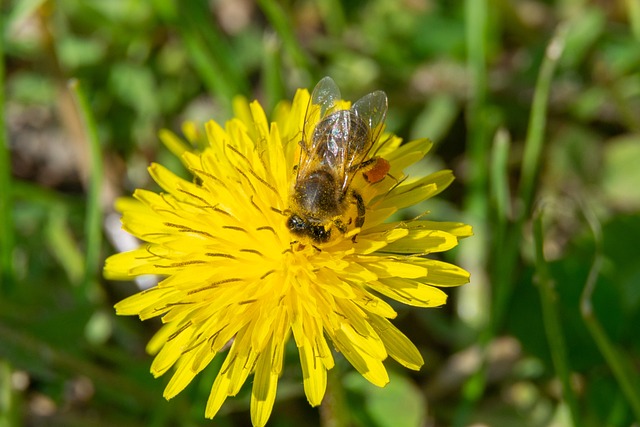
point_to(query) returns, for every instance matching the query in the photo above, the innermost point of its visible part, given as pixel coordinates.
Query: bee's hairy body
(320, 205)
(322, 195)
(318, 195)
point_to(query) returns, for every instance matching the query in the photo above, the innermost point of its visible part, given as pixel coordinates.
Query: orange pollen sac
(378, 171)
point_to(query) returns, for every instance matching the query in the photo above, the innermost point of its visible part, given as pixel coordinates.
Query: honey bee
(331, 154)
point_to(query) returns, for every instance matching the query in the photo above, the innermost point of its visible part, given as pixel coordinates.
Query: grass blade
(273, 83)
(93, 222)
(7, 238)
(500, 177)
(621, 369)
(538, 118)
(551, 320)
(278, 19)
(9, 409)
(633, 7)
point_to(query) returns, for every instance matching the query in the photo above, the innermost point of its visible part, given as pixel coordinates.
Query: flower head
(235, 272)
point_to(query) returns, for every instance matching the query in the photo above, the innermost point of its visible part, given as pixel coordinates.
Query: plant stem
(552, 322)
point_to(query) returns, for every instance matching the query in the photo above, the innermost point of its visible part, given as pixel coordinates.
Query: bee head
(297, 225)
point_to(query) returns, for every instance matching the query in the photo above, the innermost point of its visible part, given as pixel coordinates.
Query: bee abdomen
(317, 193)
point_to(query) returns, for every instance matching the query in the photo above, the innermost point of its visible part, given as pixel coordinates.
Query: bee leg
(340, 225)
(361, 211)
(363, 164)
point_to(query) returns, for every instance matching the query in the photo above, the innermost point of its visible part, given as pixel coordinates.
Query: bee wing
(372, 109)
(322, 102)
(325, 95)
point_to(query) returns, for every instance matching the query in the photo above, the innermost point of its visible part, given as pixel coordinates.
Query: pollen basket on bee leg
(378, 171)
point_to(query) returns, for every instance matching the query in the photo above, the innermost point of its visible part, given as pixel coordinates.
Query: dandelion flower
(237, 280)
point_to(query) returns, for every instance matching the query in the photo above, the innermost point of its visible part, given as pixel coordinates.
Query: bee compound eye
(296, 224)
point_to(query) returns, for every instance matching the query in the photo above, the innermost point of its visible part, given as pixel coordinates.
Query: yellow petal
(314, 374)
(398, 345)
(410, 193)
(370, 242)
(333, 284)
(369, 367)
(422, 242)
(357, 328)
(407, 154)
(218, 393)
(173, 143)
(372, 304)
(183, 375)
(241, 109)
(408, 196)
(458, 229)
(260, 123)
(386, 145)
(123, 204)
(118, 266)
(170, 353)
(263, 393)
(194, 135)
(281, 333)
(264, 329)
(443, 273)
(165, 178)
(378, 216)
(388, 267)
(146, 304)
(410, 292)
(159, 338)
(243, 362)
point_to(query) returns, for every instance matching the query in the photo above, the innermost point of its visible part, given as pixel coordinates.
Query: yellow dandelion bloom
(239, 277)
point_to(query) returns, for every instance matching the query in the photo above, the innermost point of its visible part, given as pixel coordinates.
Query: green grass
(94, 216)
(6, 217)
(534, 105)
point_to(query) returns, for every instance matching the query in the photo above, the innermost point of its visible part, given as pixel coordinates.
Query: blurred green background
(535, 105)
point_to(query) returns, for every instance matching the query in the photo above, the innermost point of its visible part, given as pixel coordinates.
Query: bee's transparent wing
(323, 102)
(325, 95)
(370, 111)
(372, 108)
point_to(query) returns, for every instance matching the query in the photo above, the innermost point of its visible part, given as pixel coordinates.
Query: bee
(331, 154)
